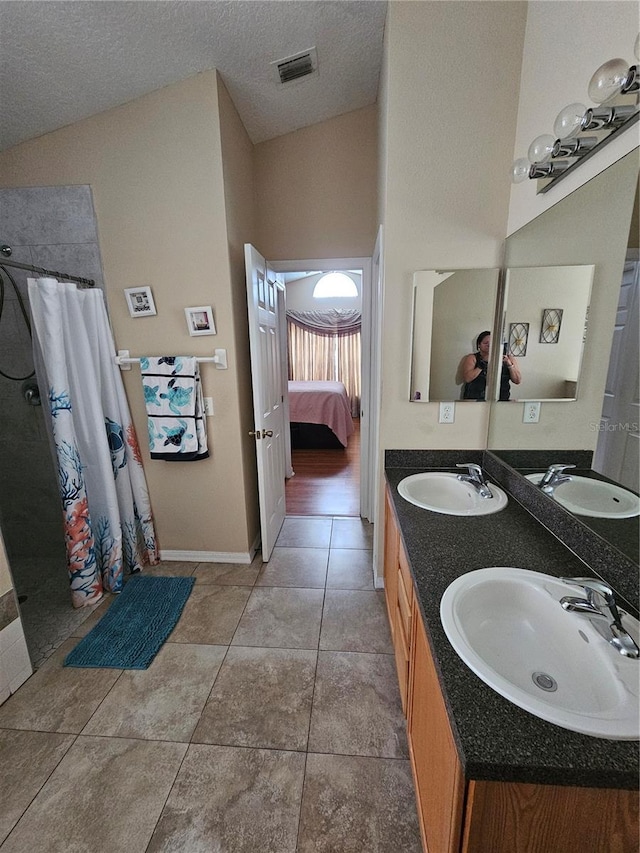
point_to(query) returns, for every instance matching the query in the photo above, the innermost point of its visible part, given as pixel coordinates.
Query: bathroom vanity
(490, 776)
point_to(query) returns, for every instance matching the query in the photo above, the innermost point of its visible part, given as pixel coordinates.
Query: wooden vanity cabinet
(391, 545)
(437, 773)
(461, 815)
(398, 586)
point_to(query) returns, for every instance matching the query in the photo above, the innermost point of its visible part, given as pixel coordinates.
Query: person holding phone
(476, 364)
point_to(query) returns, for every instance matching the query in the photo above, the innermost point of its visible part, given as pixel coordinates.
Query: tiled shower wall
(51, 227)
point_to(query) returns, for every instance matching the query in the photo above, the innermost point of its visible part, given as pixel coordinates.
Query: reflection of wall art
(140, 301)
(551, 321)
(518, 337)
(200, 320)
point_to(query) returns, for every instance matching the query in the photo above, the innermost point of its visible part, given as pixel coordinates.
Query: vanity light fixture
(614, 88)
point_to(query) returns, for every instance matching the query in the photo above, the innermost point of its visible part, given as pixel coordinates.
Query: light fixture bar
(604, 118)
(549, 170)
(574, 146)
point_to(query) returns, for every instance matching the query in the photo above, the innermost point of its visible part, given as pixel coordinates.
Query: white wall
(565, 42)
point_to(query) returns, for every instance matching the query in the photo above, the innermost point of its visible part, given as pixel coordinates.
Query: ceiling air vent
(294, 67)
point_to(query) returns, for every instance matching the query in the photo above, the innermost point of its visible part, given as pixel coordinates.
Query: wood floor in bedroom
(326, 482)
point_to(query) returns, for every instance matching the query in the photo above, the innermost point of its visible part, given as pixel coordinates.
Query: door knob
(265, 433)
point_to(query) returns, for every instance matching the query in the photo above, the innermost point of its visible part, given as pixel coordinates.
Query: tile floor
(270, 721)
(45, 603)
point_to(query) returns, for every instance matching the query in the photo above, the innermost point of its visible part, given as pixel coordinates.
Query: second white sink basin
(594, 498)
(508, 626)
(442, 491)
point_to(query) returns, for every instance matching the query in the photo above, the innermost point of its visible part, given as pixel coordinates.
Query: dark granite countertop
(496, 739)
(620, 533)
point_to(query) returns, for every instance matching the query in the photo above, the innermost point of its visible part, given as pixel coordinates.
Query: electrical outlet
(447, 413)
(208, 406)
(531, 414)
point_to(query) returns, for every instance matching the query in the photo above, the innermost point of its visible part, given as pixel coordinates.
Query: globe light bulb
(520, 170)
(568, 120)
(608, 80)
(541, 148)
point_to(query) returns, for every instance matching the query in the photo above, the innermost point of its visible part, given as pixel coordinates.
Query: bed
(320, 415)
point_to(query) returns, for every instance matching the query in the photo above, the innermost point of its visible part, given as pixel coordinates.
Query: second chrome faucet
(599, 605)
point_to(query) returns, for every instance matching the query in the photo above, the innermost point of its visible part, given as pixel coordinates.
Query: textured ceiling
(64, 61)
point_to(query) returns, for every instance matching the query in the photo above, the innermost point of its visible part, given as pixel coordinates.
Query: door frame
(369, 381)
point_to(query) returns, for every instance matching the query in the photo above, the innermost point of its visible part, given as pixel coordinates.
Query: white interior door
(268, 395)
(369, 380)
(617, 452)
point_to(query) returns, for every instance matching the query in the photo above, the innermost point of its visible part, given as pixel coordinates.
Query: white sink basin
(508, 626)
(595, 498)
(441, 491)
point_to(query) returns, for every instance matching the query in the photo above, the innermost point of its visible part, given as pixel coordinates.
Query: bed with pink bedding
(319, 403)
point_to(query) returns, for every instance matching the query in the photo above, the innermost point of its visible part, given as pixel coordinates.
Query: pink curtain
(329, 352)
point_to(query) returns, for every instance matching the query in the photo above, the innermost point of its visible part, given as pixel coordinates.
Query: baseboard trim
(238, 557)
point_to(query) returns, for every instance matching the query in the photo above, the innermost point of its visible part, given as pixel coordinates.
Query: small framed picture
(140, 301)
(200, 320)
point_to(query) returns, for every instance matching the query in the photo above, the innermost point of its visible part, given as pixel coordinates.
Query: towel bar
(124, 360)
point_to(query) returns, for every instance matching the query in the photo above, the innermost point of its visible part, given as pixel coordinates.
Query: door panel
(268, 395)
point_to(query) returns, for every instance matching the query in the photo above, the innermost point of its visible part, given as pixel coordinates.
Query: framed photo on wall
(200, 320)
(140, 301)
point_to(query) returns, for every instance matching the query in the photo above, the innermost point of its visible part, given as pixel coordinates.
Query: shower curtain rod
(5, 252)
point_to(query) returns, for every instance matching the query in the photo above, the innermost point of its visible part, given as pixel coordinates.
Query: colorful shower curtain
(108, 525)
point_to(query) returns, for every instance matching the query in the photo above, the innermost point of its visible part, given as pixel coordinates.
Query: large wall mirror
(544, 318)
(450, 309)
(594, 227)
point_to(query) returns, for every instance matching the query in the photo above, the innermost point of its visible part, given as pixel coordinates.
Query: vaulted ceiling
(64, 61)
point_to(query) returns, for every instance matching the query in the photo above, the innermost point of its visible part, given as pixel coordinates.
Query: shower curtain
(108, 525)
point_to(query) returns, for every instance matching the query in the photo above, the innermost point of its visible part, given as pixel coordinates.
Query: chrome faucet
(476, 478)
(553, 476)
(599, 605)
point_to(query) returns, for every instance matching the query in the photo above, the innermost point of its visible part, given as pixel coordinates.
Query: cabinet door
(391, 543)
(436, 768)
(505, 817)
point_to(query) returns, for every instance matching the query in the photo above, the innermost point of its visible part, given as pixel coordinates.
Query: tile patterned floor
(269, 722)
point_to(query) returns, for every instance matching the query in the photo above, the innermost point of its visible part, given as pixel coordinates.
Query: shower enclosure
(51, 227)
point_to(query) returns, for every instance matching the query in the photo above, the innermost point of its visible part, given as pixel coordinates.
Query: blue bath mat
(132, 631)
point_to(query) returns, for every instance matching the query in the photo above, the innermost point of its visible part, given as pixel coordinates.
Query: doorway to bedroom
(324, 368)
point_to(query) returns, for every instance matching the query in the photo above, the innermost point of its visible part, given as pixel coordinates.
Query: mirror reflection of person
(474, 371)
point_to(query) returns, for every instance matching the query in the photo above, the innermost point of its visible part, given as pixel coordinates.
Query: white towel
(175, 408)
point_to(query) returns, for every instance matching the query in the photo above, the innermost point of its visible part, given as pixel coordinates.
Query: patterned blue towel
(175, 408)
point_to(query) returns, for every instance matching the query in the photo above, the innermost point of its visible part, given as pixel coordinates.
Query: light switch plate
(208, 406)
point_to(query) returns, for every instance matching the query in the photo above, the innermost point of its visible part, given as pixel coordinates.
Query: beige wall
(155, 168)
(449, 96)
(239, 190)
(316, 189)
(588, 227)
(546, 368)
(565, 43)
